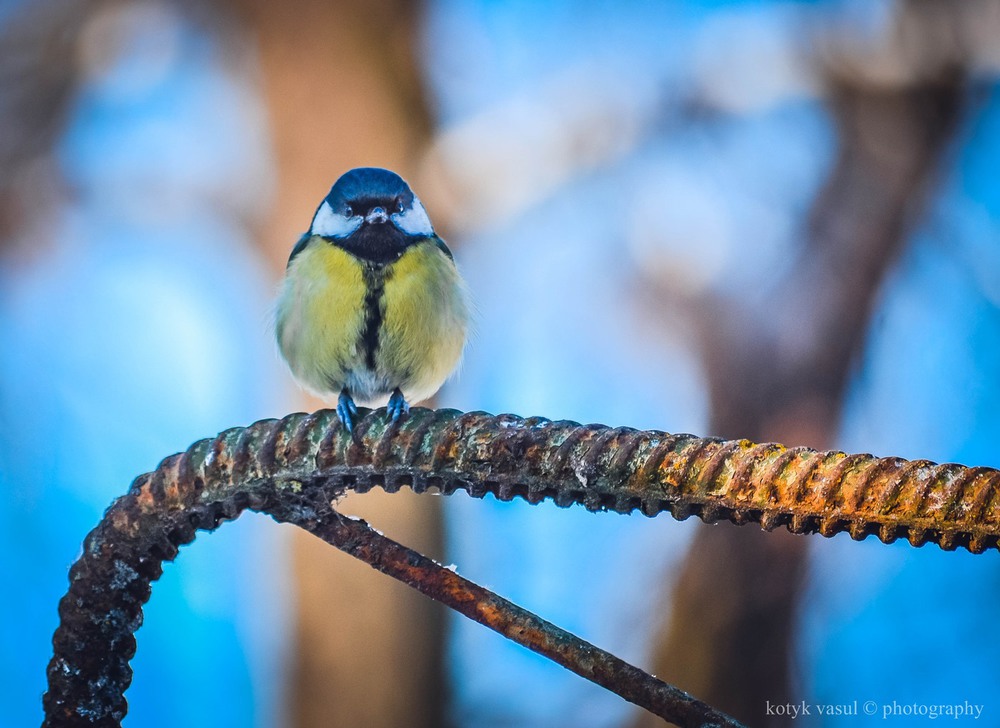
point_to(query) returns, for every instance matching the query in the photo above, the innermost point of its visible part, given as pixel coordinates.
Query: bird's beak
(377, 215)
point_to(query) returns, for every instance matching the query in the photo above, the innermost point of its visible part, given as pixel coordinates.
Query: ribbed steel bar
(297, 467)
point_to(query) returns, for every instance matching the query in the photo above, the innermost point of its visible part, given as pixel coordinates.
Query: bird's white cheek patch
(329, 224)
(414, 221)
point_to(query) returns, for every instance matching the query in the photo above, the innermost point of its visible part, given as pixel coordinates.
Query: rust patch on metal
(357, 538)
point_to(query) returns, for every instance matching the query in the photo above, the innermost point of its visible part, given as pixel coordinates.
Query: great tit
(372, 303)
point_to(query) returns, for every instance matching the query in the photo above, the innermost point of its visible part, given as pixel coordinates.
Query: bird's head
(371, 204)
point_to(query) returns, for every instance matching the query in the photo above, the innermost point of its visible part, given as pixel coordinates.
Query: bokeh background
(774, 220)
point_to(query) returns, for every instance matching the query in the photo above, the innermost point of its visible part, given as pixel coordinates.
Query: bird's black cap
(368, 185)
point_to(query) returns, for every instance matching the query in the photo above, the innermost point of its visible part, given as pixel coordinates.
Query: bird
(372, 304)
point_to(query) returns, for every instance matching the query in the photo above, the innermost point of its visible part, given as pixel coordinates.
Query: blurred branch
(296, 468)
(778, 369)
(797, 345)
(37, 78)
(37, 75)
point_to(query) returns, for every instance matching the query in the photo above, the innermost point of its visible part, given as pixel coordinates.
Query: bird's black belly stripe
(375, 277)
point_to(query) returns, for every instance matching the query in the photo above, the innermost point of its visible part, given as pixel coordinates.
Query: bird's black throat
(378, 243)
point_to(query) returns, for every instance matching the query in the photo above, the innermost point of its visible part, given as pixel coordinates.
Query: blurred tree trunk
(343, 89)
(778, 372)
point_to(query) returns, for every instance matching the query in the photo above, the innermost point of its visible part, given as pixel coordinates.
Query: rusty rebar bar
(297, 467)
(354, 536)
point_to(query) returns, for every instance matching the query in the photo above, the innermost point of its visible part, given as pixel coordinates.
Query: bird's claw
(346, 409)
(397, 406)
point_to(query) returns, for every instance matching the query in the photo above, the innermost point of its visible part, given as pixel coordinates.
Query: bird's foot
(346, 409)
(397, 406)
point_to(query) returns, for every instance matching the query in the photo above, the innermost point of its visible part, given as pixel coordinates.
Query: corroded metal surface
(357, 538)
(297, 467)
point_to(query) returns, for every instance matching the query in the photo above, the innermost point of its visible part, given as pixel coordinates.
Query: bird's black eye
(348, 212)
(399, 204)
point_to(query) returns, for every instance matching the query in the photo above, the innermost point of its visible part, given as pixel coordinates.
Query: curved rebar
(296, 468)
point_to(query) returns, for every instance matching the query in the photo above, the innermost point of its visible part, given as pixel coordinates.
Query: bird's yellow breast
(321, 314)
(345, 323)
(424, 322)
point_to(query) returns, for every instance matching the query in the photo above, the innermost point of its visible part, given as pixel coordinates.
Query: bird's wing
(300, 246)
